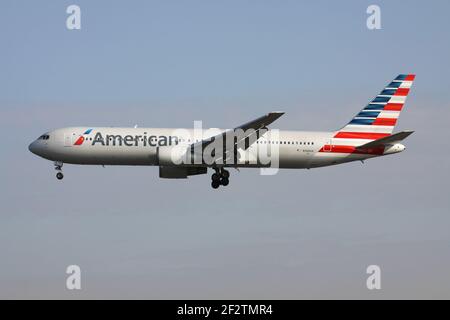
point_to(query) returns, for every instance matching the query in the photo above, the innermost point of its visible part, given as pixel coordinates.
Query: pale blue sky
(299, 234)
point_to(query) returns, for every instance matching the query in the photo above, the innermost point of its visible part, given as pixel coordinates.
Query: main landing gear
(58, 167)
(220, 177)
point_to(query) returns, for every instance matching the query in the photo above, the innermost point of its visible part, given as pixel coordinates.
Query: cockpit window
(44, 137)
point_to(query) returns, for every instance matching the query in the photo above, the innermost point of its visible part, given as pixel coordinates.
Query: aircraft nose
(33, 147)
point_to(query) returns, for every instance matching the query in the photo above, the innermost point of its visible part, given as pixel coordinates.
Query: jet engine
(180, 172)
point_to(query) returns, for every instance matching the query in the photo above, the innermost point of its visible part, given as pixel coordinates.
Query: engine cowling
(173, 172)
(180, 172)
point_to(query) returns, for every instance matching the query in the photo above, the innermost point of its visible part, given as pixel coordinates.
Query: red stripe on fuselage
(351, 150)
(361, 135)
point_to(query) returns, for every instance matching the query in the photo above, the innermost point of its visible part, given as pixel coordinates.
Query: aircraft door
(68, 139)
(328, 145)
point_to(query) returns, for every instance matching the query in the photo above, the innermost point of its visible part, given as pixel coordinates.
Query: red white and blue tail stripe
(375, 121)
(380, 116)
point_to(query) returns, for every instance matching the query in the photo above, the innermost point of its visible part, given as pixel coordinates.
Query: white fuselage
(139, 146)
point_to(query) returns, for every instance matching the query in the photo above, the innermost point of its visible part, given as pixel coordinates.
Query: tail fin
(378, 118)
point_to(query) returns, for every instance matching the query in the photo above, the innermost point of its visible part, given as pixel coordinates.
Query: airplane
(369, 134)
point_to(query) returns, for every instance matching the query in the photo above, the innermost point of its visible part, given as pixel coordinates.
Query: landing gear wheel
(220, 177)
(215, 184)
(224, 181)
(225, 173)
(58, 168)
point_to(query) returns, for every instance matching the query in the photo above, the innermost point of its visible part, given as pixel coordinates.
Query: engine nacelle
(180, 172)
(173, 172)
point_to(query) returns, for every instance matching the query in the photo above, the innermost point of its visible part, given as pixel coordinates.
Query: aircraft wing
(396, 137)
(257, 125)
(261, 122)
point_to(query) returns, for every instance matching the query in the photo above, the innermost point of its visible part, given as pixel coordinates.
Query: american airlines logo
(81, 139)
(128, 140)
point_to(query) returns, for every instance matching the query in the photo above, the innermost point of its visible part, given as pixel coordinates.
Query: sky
(298, 234)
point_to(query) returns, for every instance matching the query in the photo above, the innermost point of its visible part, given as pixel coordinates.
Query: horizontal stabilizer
(396, 137)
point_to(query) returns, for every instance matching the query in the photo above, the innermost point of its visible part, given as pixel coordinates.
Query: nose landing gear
(220, 177)
(58, 167)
